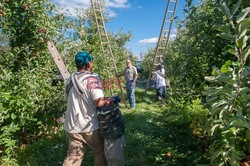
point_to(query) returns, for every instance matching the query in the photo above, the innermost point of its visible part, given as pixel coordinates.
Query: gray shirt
(130, 73)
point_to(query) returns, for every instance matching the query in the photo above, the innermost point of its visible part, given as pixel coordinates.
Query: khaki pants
(78, 144)
(114, 151)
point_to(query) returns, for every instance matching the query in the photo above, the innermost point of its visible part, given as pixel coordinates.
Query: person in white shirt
(83, 95)
(160, 83)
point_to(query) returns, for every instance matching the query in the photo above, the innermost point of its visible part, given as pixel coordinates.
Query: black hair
(81, 66)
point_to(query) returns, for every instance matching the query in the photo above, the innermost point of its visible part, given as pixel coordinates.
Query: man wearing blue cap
(84, 94)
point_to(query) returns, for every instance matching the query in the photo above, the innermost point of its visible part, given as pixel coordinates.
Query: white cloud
(149, 41)
(155, 39)
(70, 6)
(111, 13)
(117, 3)
(172, 36)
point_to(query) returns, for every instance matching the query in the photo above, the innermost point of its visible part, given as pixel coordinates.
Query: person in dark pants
(160, 84)
(131, 74)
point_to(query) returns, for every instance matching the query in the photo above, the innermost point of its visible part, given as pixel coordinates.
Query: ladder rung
(98, 9)
(163, 38)
(173, 1)
(169, 20)
(159, 56)
(161, 48)
(165, 30)
(170, 11)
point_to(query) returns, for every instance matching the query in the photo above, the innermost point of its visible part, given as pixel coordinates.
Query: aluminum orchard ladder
(163, 40)
(97, 6)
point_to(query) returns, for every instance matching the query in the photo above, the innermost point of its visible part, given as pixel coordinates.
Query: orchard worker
(160, 84)
(131, 74)
(84, 94)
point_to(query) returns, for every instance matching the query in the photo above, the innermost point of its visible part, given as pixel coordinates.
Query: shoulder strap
(160, 73)
(80, 90)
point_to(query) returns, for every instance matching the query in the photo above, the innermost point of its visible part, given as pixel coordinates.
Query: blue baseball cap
(83, 58)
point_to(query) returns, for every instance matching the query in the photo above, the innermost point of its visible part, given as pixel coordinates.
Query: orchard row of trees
(209, 61)
(29, 103)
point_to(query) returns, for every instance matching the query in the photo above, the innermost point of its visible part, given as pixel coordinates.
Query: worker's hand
(133, 83)
(116, 99)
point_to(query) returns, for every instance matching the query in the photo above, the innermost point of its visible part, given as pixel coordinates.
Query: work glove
(117, 99)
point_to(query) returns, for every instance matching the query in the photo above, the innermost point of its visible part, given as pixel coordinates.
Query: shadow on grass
(146, 98)
(49, 152)
(150, 134)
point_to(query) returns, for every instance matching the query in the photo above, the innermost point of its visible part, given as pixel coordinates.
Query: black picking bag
(111, 122)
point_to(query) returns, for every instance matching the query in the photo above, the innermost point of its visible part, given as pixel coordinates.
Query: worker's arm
(121, 74)
(135, 75)
(104, 101)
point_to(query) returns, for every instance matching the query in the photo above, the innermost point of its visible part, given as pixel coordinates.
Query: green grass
(151, 132)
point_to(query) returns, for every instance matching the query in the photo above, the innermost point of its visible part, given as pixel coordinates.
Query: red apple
(26, 7)
(168, 154)
(41, 30)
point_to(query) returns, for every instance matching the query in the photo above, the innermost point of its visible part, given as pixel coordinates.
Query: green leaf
(222, 111)
(246, 53)
(244, 91)
(246, 71)
(242, 27)
(210, 91)
(210, 78)
(234, 159)
(216, 154)
(226, 11)
(241, 16)
(13, 116)
(236, 7)
(214, 128)
(218, 104)
(226, 36)
(221, 28)
(242, 42)
(240, 123)
(224, 68)
(248, 135)
(225, 79)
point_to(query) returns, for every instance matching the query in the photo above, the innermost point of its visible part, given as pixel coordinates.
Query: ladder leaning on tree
(163, 40)
(58, 60)
(97, 7)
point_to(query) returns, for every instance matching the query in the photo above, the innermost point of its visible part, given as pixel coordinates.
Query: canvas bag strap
(80, 91)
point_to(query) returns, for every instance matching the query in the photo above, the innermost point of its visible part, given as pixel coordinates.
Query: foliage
(194, 53)
(195, 47)
(228, 96)
(29, 103)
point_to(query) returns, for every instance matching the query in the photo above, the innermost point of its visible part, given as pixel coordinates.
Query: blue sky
(142, 17)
